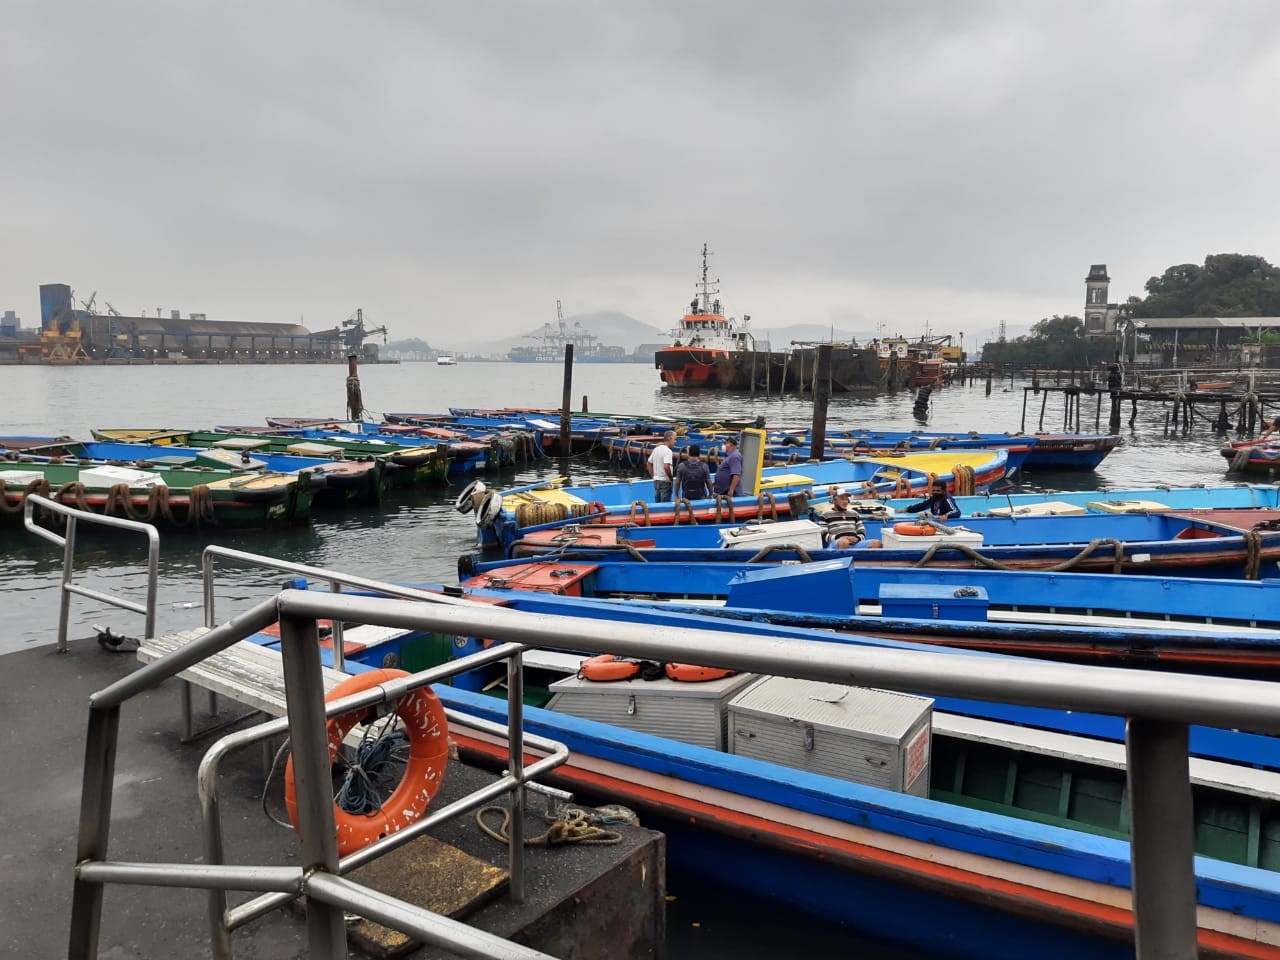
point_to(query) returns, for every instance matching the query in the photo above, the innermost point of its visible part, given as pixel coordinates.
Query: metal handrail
(334, 578)
(68, 545)
(307, 711)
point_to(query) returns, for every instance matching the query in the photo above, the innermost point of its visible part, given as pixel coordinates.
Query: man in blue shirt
(729, 473)
(939, 503)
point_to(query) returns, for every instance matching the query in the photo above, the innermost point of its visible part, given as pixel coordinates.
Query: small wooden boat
(1253, 456)
(173, 496)
(1149, 620)
(632, 501)
(1022, 831)
(334, 482)
(1216, 543)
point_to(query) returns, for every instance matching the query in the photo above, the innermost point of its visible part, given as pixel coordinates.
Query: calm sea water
(418, 537)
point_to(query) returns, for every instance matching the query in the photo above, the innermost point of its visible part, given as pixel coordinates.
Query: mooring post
(753, 369)
(1023, 427)
(988, 382)
(1044, 402)
(585, 407)
(355, 405)
(564, 403)
(821, 395)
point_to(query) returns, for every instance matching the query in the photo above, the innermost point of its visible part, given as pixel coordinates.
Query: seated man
(939, 503)
(843, 526)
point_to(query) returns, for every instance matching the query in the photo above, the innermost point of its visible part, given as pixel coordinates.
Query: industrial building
(71, 334)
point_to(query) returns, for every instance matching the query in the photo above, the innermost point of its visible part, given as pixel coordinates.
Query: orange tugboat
(706, 344)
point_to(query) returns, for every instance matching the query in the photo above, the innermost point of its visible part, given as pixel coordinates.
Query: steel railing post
(1163, 840)
(68, 565)
(515, 760)
(308, 737)
(95, 828)
(335, 634)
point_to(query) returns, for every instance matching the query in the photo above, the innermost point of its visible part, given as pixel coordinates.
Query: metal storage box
(20, 479)
(105, 477)
(931, 601)
(876, 737)
(799, 533)
(228, 460)
(689, 712)
(242, 443)
(307, 448)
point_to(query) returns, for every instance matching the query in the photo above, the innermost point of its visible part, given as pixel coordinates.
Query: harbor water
(417, 536)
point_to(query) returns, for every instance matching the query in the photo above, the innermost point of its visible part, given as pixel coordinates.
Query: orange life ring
(914, 529)
(595, 506)
(691, 673)
(428, 732)
(607, 667)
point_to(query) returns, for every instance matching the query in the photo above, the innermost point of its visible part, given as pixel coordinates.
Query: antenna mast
(706, 292)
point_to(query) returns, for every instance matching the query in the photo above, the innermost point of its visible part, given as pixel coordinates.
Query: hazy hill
(618, 329)
(614, 329)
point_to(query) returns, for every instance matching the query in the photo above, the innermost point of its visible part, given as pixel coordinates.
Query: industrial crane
(354, 337)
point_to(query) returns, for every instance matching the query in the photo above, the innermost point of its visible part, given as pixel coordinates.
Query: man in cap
(843, 526)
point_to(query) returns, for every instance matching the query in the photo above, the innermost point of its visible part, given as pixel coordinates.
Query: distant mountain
(614, 330)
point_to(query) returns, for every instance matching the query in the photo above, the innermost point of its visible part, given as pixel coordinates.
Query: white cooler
(800, 533)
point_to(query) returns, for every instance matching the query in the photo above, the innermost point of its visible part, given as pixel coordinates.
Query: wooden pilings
(564, 405)
(1180, 408)
(821, 396)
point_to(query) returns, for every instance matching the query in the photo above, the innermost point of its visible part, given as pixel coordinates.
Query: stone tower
(1099, 315)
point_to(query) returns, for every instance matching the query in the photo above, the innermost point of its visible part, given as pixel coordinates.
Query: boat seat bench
(246, 672)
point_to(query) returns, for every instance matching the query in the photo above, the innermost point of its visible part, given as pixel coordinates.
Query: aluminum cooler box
(876, 737)
(692, 713)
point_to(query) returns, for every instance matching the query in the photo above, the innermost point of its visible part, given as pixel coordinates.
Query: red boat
(706, 343)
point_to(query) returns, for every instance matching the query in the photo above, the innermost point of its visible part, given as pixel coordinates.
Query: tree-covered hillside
(1228, 285)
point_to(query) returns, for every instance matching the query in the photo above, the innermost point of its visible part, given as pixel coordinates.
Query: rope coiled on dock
(573, 827)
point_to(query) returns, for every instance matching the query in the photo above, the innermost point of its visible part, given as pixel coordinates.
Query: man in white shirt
(660, 467)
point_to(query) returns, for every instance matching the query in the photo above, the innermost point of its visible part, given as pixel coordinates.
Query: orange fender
(914, 529)
(425, 725)
(607, 667)
(691, 673)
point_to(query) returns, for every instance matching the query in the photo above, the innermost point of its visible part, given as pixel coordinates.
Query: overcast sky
(454, 168)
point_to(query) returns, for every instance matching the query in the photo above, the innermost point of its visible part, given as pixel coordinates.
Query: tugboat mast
(704, 304)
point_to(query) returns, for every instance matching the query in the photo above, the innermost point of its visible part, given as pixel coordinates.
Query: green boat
(170, 496)
(404, 466)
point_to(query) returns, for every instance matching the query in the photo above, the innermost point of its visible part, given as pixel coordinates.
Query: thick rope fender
(427, 729)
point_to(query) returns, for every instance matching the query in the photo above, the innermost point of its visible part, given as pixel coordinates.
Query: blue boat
(1145, 620)
(993, 885)
(1215, 543)
(503, 516)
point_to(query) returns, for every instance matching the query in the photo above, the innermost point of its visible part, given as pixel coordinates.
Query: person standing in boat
(693, 479)
(729, 473)
(938, 503)
(660, 467)
(842, 527)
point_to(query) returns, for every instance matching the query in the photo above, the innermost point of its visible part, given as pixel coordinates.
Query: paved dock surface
(155, 817)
